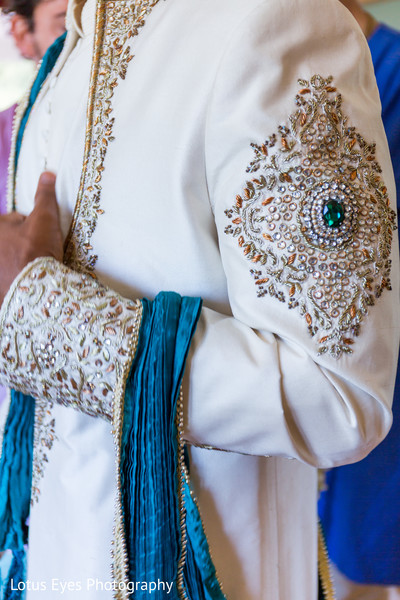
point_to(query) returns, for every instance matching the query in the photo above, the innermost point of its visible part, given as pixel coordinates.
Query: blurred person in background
(35, 24)
(360, 509)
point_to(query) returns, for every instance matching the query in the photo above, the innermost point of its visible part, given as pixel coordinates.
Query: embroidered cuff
(67, 338)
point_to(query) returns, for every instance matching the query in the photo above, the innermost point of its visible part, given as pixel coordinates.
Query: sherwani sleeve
(65, 337)
(305, 365)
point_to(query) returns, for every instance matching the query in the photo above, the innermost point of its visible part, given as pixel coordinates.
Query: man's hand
(22, 239)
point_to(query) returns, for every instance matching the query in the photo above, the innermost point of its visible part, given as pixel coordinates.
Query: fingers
(13, 218)
(47, 177)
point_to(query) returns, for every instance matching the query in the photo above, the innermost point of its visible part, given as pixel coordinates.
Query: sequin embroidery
(314, 218)
(44, 438)
(65, 338)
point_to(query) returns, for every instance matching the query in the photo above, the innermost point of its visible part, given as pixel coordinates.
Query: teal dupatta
(165, 537)
(15, 488)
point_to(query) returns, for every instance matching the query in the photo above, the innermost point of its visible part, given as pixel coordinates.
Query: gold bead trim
(119, 553)
(324, 567)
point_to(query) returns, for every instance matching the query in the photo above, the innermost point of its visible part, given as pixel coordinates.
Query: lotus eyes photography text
(59, 586)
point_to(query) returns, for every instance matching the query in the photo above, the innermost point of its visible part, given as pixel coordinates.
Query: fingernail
(47, 177)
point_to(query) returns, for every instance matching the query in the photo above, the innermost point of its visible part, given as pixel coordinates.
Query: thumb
(43, 224)
(47, 177)
(45, 197)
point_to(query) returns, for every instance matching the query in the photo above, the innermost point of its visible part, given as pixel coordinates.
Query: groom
(253, 172)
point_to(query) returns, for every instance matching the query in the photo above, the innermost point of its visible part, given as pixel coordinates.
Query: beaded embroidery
(44, 438)
(75, 342)
(117, 22)
(315, 221)
(74, 348)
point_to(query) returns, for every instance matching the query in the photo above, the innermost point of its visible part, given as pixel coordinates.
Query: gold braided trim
(119, 553)
(183, 477)
(324, 567)
(117, 21)
(181, 473)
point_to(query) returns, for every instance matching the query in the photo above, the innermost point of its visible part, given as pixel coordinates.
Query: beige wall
(15, 73)
(386, 11)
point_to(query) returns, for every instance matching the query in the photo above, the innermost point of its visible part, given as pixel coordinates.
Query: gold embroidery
(117, 21)
(44, 438)
(324, 567)
(315, 221)
(74, 344)
(184, 480)
(119, 553)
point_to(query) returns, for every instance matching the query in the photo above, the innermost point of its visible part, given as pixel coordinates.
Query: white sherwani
(265, 402)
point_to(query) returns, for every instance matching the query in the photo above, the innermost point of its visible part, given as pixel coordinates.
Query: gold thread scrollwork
(117, 22)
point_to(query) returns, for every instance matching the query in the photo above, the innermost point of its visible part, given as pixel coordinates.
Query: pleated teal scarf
(151, 470)
(15, 488)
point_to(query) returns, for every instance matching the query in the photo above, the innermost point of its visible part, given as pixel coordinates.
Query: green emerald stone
(333, 213)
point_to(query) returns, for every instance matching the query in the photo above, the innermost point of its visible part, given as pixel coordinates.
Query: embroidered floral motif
(65, 338)
(315, 221)
(117, 22)
(44, 438)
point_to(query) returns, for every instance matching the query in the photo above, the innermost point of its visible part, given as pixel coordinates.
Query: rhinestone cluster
(315, 221)
(328, 214)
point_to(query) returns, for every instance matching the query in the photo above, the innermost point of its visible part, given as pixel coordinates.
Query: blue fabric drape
(15, 487)
(150, 466)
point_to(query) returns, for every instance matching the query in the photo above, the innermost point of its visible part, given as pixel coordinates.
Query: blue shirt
(360, 512)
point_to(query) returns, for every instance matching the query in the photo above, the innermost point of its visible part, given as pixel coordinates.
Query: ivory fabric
(263, 409)
(349, 590)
